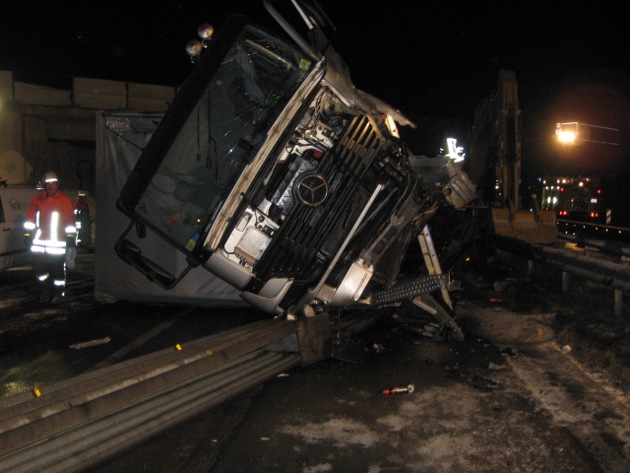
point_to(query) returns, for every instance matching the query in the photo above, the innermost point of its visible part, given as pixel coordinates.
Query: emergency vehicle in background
(574, 198)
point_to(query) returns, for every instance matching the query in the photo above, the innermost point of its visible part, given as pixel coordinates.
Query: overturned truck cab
(273, 172)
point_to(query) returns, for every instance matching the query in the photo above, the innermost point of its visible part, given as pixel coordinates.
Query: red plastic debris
(399, 390)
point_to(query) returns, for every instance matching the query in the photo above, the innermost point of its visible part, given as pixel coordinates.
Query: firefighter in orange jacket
(50, 229)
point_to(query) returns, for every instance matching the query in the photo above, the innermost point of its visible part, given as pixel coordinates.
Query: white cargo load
(120, 138)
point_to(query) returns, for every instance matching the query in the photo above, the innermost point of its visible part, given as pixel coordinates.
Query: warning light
(456, 153)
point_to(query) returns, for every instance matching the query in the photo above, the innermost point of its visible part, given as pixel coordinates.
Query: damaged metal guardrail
(610, 247)
(79, 423)
(607, 273)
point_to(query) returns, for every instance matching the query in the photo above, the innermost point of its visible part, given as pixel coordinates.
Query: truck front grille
(310, 236)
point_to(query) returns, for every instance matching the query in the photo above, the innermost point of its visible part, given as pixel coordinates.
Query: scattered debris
(509, 351)
(399, 390)
(479, 382)
(349, 350)
(566, 349)
(432, 330)
(500, 286)
(496, 367)
(378, 348)
(283, 375)
(91, 343)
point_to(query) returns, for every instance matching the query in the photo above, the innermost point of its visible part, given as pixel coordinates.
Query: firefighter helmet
(49, 177)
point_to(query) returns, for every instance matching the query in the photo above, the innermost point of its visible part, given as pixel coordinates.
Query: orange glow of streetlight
(571, 132)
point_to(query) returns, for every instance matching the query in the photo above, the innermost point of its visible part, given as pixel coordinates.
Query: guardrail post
(565, 282)
(530, 268)
(618, 304)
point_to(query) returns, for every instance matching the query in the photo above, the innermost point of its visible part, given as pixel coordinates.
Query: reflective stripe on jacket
(52, 219)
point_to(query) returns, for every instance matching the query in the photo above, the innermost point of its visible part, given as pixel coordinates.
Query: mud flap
(533, 227)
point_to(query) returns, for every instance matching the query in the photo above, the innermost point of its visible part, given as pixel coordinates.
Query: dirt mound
(500, 325)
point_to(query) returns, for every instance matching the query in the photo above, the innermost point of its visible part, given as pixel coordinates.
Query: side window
(2, 219)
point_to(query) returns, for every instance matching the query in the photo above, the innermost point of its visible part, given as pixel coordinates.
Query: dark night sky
(432, 57)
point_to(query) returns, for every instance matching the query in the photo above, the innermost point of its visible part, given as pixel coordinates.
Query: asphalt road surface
(487, 404)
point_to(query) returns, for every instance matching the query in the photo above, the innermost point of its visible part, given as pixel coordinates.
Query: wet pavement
(462, 416)
(477, 405)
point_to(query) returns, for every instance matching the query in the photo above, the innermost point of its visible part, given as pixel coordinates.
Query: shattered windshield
(223, 133)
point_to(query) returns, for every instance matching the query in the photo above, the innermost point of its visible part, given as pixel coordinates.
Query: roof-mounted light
(195, 47)
(205, 32)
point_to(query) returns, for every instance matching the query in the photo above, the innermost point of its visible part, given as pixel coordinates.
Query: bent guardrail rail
(80, 422)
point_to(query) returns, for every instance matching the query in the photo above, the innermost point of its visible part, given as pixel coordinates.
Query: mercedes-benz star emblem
(311, 189)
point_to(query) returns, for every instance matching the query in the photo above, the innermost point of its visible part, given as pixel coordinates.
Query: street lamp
(570, 132)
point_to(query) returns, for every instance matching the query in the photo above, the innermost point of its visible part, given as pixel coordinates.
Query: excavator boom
(495, 164)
